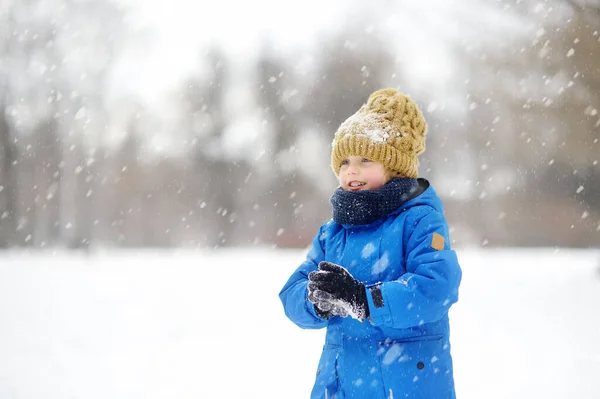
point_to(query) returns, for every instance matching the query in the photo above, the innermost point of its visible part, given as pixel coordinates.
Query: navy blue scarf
(365, 207)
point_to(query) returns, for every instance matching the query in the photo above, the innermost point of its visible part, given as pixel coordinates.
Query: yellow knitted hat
(389, 129)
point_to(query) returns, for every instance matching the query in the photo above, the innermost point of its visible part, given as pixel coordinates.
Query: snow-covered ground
(177, 324)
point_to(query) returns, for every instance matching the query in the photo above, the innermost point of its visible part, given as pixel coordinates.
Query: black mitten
(325, 309)
(321, 312)
(334, 284)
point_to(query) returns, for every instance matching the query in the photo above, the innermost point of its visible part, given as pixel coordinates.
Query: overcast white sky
(426, 31)
(180, 27)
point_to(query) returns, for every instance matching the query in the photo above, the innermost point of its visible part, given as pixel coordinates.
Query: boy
(380, 276)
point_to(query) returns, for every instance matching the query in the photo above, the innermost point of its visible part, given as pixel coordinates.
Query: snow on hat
(389, 129)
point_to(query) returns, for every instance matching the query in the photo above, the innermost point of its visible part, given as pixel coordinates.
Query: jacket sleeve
(429, 287)
(294, 295)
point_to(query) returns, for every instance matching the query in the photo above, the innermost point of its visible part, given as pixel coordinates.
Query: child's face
(358, 173)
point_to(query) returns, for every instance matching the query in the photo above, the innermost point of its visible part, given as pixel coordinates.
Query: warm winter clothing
(411, 275)
(389, 129)
(332, 287)
(365, 207)
(381, 275)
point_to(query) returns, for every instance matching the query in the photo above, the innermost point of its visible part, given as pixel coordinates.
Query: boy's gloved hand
(325, 309)
(324, 314)
(333, 285)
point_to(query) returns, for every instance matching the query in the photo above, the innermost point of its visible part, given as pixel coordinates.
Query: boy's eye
(345, 162)
(366, 160)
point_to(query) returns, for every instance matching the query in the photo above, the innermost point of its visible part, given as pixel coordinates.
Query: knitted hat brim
(363, 146)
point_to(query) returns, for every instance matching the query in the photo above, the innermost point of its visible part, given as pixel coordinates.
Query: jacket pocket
(327, 381)
(416, 368)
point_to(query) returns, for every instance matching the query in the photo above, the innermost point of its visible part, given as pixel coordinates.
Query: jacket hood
(426, 195)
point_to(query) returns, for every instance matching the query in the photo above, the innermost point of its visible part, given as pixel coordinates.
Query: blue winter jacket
(403, 349)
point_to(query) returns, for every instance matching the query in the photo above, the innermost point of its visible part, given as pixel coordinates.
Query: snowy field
(145, 325)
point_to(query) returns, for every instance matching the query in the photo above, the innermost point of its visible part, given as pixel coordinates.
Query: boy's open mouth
(355, 185)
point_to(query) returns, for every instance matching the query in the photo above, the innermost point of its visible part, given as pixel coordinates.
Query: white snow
(368, 250)
(381, 264)
(176, 324)
(367, 125)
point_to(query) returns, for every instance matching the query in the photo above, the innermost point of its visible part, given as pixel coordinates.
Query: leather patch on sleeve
(437, 242)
